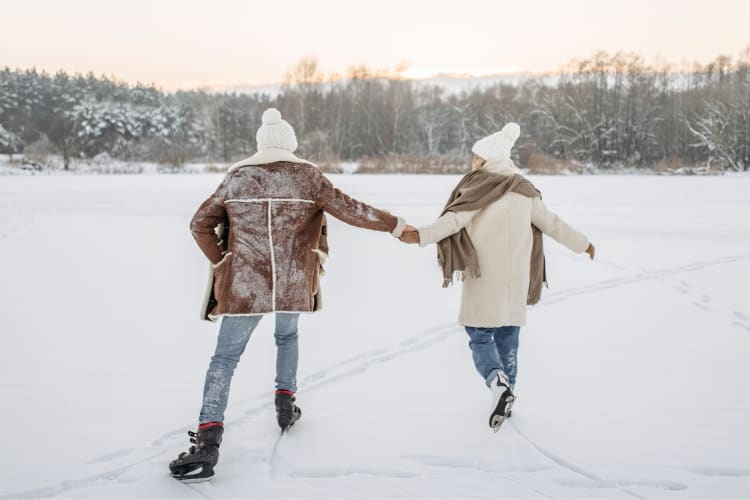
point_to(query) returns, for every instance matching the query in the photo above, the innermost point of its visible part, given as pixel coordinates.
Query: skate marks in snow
(596, 481)
(334, 471)
(362, 362)
(165, 445)
(277, 464)
(614, 265)
(110, 456)
(475, 463)
(659, 484)
(593, 481)
(590, 481)
(355, 365)
(719, 471)
(196, 488)
(65, 487)
(555, 297)
(479, 465)
(352, 366)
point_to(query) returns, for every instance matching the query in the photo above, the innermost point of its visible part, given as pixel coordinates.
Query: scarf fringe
(461, 276)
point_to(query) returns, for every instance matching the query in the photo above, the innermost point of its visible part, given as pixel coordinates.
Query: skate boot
(197, 464)
(502, 401)
(287, 413)
(509, 411)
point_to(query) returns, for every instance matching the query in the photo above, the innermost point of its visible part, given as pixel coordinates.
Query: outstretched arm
(552, 225)
(447, 224)
(354, 212)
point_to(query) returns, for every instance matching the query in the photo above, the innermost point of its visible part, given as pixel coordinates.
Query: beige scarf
(456, 253)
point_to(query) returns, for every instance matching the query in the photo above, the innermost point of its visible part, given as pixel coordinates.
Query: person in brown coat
(263, 231)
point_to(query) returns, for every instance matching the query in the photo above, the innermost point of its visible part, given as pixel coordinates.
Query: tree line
(606, 111)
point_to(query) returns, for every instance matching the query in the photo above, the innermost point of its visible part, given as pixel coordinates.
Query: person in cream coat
(497, 212)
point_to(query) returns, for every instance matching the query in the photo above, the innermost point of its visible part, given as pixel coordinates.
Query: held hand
(409, 229)
(591, 251)
(410, 237)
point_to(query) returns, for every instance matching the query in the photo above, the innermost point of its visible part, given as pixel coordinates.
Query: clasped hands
(410, 235)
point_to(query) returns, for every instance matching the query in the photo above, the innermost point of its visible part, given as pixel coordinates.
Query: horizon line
(415, 74)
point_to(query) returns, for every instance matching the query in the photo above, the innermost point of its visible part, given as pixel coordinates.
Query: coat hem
(491, 324)
(214, 317)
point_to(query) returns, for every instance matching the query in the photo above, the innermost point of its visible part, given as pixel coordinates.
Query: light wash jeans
(234, 333)
(495, 349)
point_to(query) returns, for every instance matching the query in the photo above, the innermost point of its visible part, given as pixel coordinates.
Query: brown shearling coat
(266, 259)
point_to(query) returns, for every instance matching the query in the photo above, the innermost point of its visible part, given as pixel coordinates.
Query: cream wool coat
(501, 234)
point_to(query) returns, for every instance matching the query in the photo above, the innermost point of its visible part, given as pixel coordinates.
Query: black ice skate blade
(286, 429)
(502, 411)
(496, 422)
(195, 474)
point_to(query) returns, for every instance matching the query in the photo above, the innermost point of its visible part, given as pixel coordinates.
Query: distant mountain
(455, 83)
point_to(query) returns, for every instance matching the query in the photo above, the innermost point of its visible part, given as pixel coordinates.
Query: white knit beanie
(498, 145)
(275, 133)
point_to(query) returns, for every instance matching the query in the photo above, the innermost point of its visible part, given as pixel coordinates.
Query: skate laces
(286, 411)
(193, 439)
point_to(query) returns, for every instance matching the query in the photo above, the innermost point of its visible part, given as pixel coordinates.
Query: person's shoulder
(307, 166)
(309, 170)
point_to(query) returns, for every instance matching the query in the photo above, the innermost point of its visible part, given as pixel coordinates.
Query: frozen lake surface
(633, 371)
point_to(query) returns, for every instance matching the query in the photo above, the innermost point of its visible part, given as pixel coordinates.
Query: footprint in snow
(661, 484)
(704, 302)
(741, 320)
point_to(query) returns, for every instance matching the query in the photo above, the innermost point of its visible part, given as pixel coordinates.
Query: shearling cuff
(400, 225)
(322, 256)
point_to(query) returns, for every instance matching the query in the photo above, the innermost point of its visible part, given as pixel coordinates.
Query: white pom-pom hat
(275, 133)
(498, 145)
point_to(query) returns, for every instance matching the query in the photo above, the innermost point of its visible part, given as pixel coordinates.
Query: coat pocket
(222, 270)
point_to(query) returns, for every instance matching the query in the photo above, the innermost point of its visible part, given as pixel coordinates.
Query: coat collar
(502, 167)
(270, 155)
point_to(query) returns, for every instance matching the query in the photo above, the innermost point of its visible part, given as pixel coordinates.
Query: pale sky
(185, 43)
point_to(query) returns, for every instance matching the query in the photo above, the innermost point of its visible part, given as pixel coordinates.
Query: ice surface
(632, 370)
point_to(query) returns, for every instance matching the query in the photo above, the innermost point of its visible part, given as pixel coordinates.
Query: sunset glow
(188, 44)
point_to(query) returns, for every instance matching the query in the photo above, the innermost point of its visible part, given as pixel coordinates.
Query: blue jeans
(495, 349)
(234, 333)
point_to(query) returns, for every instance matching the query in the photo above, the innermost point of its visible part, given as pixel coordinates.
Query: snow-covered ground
(633, 369)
